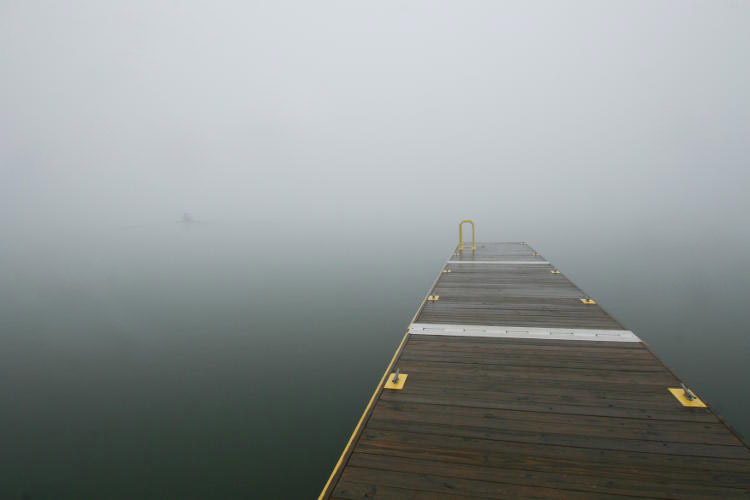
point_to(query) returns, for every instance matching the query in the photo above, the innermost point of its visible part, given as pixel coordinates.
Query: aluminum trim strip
(520, 332)
(498, 262)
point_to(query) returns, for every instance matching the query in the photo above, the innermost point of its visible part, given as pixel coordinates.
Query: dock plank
(498, 417)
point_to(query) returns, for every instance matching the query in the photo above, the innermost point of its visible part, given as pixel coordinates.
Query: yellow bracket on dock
(587, 300)
(399, 384)
(433, 298)
(555, 271)
(679, 394)
(461, 236)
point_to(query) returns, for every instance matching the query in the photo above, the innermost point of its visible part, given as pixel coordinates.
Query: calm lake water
(208, 361)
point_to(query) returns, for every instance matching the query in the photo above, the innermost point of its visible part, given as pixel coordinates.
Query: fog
(327, 151)
(525, 116)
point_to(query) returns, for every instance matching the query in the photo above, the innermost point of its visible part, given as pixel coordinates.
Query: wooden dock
(516, 387)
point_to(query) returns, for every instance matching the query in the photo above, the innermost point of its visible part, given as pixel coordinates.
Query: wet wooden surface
(508, 417)
(510, 295)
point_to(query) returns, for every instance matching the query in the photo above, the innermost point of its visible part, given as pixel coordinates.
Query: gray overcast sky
(516, 113)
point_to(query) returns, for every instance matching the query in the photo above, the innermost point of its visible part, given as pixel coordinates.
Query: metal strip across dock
(503, 262)
(511, 382)
(523, 333)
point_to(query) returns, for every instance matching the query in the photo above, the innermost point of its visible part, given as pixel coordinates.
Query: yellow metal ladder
(461, 236)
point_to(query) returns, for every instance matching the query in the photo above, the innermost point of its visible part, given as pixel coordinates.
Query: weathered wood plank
(690, 469)
(585, 483)
(544, 422)
(526, 402)
(447, 485)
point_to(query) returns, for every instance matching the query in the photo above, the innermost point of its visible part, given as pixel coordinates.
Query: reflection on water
(194, 360)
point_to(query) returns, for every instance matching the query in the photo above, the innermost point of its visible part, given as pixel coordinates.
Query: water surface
(213, 361)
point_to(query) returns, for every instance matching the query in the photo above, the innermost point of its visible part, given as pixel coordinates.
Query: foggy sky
(532, 117)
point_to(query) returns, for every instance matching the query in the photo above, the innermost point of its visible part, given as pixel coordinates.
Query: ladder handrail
(461, 236)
